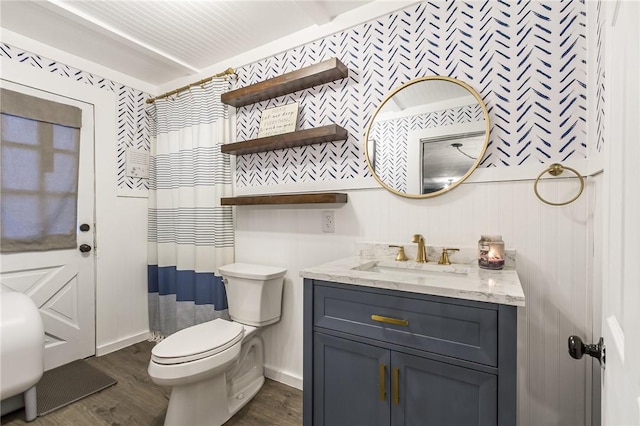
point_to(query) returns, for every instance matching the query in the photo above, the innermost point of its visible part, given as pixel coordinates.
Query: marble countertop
(462, 281)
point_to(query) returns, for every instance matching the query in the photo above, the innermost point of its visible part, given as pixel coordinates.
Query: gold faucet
(401, 257)
(444, 257)
(421, 257)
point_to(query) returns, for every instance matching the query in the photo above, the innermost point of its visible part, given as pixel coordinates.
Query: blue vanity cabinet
(447, 362)
(346, 380)
(431, 392)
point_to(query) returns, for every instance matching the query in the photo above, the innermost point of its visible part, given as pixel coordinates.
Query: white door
(62, 282)
(621, 214)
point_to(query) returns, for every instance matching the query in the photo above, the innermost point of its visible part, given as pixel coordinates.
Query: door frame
(62, 283)
(105, 134)
(602, 252)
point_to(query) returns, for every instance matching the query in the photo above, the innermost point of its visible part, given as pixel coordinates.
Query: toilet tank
(254, 292)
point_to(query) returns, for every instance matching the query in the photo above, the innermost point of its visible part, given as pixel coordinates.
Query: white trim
(133, 193)
(365, 13)
(21, 42)
(523, 172)
(595, 165)
(107, 348)
(618, 336)
(287, 378)
(481, 175)
(332, 185)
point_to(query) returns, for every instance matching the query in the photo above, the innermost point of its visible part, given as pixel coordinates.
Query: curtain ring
(556, 169)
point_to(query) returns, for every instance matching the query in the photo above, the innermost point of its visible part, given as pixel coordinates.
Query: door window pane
(64, 176)
(20, 216)
(39, 187)
(65, 138)
(58, 211)
(19, 130)
(15, 176)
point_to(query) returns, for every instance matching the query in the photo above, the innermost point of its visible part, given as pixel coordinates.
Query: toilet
(21, 353)
(216, 367)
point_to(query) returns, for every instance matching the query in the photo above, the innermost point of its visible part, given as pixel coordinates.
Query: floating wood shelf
(309, 198)
(323, 72)
(323, 134)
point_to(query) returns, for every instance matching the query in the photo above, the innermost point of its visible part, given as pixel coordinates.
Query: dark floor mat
(69, 383)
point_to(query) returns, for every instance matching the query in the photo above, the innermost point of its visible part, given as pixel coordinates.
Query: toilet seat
(198, 342)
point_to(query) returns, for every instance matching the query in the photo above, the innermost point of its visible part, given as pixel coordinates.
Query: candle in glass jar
(491, 252)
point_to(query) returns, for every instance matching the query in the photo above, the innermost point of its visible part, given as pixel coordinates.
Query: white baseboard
(132, 193)
(121, 344)
(283, 377)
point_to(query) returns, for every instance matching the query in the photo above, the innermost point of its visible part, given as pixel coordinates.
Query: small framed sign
(278, 120)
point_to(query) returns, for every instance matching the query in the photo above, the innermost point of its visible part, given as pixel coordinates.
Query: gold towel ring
(556, 169)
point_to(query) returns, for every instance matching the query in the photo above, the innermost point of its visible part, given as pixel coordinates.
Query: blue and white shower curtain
(190, 234)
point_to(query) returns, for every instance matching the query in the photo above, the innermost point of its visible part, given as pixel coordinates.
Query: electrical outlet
(329, 221)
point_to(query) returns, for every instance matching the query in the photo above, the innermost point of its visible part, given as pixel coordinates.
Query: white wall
(551, 262)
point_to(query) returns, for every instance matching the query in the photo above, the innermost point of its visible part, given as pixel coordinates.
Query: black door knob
(85, 248)
(577, 349)
(85, 227)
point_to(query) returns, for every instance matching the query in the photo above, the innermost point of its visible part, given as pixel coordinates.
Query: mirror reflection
(427, 136)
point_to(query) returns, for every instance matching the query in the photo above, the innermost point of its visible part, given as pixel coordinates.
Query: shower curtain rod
(228, 71)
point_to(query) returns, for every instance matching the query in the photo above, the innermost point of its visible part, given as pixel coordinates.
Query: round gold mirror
(427, 136)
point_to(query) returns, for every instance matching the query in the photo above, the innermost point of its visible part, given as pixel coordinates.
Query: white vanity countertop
(461, 281)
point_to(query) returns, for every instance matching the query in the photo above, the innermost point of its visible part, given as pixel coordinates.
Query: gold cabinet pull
(394, 321)
(383, 394)
(396, 392)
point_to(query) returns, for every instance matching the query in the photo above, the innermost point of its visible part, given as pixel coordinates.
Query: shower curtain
(190, 234)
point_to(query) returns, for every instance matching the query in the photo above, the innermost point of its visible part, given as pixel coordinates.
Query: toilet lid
(197, 342)
(251, 271)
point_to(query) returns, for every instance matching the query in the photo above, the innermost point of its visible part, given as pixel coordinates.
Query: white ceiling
(161, 41)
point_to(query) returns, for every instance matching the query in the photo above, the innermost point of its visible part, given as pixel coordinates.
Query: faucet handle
(401, 257)
(444, 257)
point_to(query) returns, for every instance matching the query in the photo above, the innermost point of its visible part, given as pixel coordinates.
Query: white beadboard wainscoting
(551, 244)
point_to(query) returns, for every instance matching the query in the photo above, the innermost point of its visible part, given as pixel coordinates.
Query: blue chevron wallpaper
(132, 127)
(527, 60)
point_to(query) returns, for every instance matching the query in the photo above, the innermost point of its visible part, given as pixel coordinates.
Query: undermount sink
(413, 269)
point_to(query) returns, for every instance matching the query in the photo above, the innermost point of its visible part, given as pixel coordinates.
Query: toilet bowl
(21, 353)
(216, 367)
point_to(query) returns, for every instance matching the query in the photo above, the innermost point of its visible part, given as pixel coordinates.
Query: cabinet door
(435, 393)
(347, 381)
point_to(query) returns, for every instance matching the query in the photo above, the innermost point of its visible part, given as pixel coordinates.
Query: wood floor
(136, 400)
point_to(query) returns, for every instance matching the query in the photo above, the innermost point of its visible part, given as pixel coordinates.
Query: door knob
(577, 349)
(84, 248)
(85, 227)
